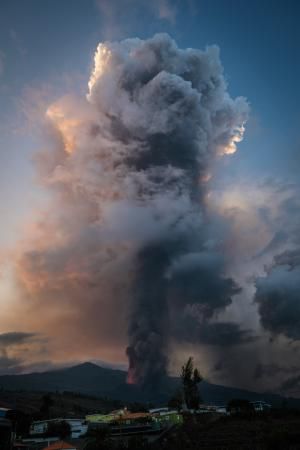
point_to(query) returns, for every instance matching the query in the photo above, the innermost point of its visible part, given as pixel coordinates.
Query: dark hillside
(93, 380)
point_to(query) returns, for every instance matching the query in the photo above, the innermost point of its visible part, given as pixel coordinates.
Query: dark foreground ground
(276, 431)
(63, 404)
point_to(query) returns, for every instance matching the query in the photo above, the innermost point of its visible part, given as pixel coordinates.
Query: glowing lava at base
(131, 378)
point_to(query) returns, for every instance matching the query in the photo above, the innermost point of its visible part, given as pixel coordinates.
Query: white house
(78, 426)
(261, 405)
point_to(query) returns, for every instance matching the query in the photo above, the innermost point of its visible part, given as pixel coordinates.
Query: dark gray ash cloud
(277, 290)
(291, 385)
(15, 337)
(12, 361)
(278, 296)
(173, 108)
(268, 371)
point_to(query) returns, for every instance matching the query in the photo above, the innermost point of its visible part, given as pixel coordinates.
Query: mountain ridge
(91, 379)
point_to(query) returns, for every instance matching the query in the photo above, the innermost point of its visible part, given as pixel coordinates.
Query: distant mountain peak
(85, 365)
(90, 378)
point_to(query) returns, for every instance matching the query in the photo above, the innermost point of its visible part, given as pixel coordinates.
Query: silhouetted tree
(60, 429)
(190, 378)
(47, 402)
(176, 401)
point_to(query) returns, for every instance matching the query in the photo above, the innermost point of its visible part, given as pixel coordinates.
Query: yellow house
(106, 418)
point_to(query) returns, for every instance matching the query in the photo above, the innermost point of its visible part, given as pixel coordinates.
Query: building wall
(78, 427)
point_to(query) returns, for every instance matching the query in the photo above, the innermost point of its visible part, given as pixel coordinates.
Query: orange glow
(66, 126)
(205, 178)
(231, 147)
(131, 379)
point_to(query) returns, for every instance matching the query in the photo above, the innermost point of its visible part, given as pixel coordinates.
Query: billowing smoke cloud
(12, 350)
(262, 257)
(128, 230)
(278, 294)
(277, 291)
(14, 337)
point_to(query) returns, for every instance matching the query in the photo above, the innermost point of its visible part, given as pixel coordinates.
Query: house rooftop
(61, 445)
(137, 415)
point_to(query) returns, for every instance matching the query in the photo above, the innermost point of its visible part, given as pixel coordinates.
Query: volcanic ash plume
(136, 159)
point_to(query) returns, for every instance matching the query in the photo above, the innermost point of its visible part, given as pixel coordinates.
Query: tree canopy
(191, 377)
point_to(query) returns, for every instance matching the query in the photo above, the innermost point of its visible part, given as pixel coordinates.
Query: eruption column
(127, 169)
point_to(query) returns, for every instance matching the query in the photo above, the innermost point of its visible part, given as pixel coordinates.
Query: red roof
(59, 445)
